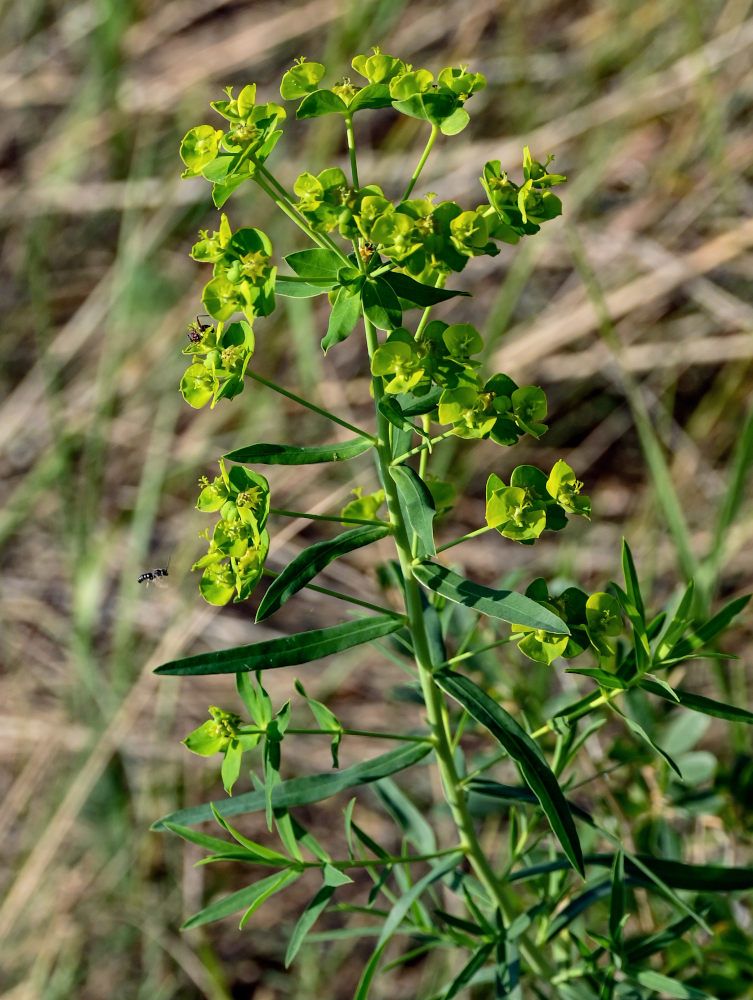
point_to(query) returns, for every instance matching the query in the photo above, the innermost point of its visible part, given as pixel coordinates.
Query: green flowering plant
(531, 912)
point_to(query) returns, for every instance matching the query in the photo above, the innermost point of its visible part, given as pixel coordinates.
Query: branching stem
(422, 161)
(310, 406)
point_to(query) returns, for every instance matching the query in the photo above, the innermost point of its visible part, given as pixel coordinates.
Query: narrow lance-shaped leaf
(311, 561)
(503, 604)
(417, 293)
(244, 899)
(699, 703)
(523, 751)
(397, 914)
(288, 454)
(342, 319)
(286, 651)
(305, 790)
(418, 505)
(675, 874)
(332, 879)
(660, 983)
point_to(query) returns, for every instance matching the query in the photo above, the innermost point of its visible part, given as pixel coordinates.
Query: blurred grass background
(634, 312)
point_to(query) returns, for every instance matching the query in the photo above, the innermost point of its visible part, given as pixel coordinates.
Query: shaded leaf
(342, 320)
(416, 293)
(307, 920)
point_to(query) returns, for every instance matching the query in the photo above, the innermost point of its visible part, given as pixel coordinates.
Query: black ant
(195, 333)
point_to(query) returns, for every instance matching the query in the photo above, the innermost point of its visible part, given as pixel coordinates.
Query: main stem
(435, 707)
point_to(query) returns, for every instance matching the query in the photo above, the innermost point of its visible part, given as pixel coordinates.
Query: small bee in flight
(151, 575)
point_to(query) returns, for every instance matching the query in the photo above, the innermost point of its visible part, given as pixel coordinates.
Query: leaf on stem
(503, 604)
(381, 305)
(418, 506)
(247, 899)
(303, 791)
(698, 703)
(311, 561)
(343, 318)
(315, 265)
(523, 751)
(286, 651)
(415, 293)
(288, 454)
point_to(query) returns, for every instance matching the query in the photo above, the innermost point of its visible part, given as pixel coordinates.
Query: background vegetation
(634, 312)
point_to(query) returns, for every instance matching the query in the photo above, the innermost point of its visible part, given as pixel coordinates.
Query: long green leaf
(241, 900)
(663, 984)
(503, 604)
(307, 920)
(297, 288)
(474, 963)
(524, 752)
(698, 703)
(286, 651)
(311, 561)
(416, 293)
(305, 790)
(519, 793)
(288, 454)
(342, 319)
(675, 874)
(576, 906)
(710, 629)
(397, 914)
(418, 505)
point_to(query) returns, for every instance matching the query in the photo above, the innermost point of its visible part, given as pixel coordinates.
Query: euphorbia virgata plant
(548, 910)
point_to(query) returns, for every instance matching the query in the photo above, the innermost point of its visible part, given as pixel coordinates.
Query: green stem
(475, 652)
(436, 708)
(464, 538)
(310, 406)
(422, 161)
(323, 239)
(327, 517)
(290, 212)
(352, 150)
(421, 447)
(433, 698)
(341, 597)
